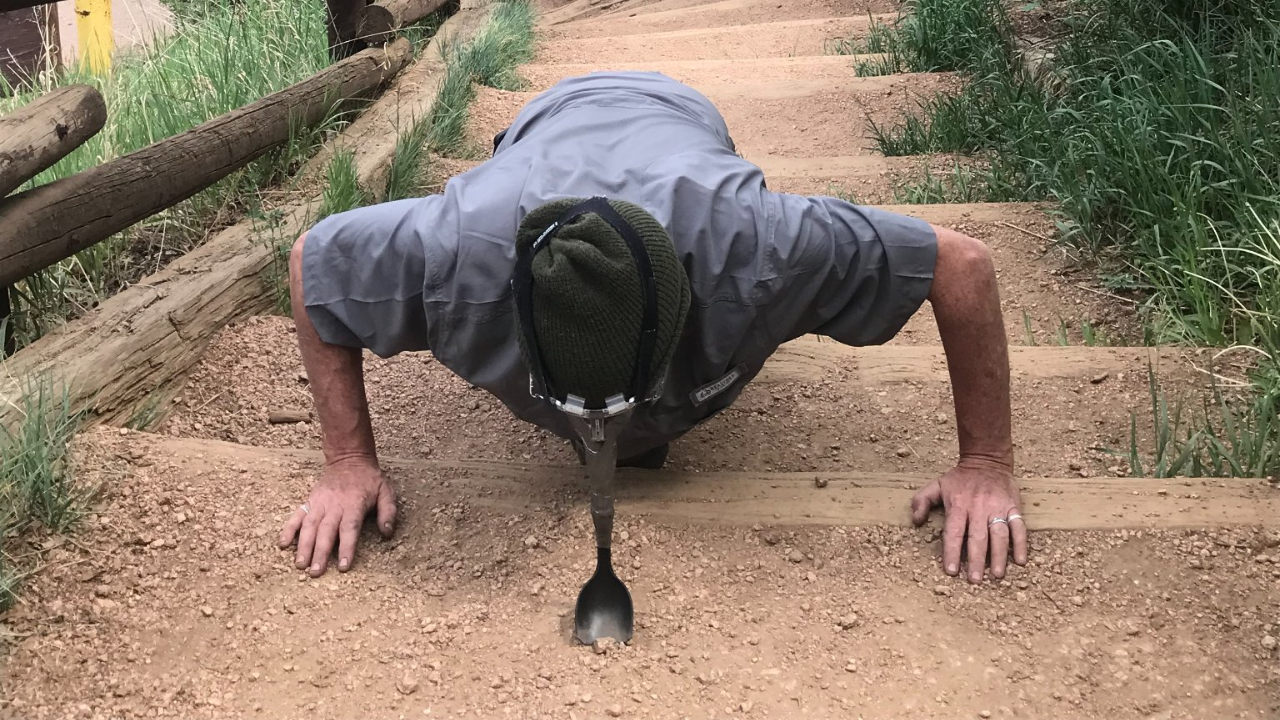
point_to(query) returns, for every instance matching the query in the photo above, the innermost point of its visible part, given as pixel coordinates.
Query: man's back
(763, 267)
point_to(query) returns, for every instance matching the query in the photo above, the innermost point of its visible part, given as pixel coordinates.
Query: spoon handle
(601, 468)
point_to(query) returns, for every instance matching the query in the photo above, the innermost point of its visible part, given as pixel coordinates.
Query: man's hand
(972, 494)
(346, 491)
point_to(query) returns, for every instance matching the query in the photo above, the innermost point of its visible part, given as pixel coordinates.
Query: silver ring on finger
(1015, 516)
(303, 507)
(995, 520)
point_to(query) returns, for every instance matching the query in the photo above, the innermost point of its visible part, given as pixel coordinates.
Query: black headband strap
(522, 286)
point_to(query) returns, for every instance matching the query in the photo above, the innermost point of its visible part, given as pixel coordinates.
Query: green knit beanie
(588, 299)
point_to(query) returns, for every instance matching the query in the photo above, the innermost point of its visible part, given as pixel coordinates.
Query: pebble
(604, 645)
(1095, 380)
(984, 714)
(1077, 600)
(795, 556)
(746, 706)
(1268, 642)
(614, 710)
(408, 685)
(531, 542)
(903, 452)
(942, 590)
(206, 611)
(770, 537)
(851, 667)
(820, 482)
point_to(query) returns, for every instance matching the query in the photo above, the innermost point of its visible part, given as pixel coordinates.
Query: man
(684, 258)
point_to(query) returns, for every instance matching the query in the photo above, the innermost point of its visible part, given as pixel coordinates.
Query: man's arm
(966, 304)
(351, 482)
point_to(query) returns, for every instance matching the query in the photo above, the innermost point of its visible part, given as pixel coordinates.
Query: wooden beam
(11, 5)
(136, 346)
(383, 20)
(45, 130)
(50, 223)
(745, 498)
(809, 359)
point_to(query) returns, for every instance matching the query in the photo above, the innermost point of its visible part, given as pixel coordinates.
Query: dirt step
(738, 498)
(803, 68)
(775, 119)
(813, 359)
(827, 408)
(780, 39)
(860, 179)
(728, 13)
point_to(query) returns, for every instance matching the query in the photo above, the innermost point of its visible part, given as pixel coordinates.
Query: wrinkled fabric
(434, 273)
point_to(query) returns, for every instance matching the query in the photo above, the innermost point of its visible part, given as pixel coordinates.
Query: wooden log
(137, 346)
(383, 20)
(50, 223)
(40, 133)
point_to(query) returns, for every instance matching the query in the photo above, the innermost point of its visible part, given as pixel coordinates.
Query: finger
(977, 546)
(290, 530)
(953, 539)
(999, 534)
(1018, 529)
(929, 497)
(348, 537)
(386, 510)
(307, 538)
(325, 536)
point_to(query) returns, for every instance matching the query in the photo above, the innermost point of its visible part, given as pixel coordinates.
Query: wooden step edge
(754, 29)
(748, 498)
(811, 359)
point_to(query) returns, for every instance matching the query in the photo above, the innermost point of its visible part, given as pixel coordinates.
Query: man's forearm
(337, 380)
(966, 304)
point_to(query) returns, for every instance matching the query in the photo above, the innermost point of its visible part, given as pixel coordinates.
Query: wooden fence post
(8, 340)
(97, 38)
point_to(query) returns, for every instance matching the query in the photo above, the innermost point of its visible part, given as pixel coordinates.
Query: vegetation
(37, 484)
(1153, 129)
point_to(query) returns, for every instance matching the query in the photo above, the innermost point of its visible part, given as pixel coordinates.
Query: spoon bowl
(604, 607)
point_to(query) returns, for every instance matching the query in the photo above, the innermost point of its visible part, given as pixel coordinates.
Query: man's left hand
(973, 495)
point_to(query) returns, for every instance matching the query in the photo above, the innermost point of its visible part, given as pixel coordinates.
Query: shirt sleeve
(363, 274)
(853, 273)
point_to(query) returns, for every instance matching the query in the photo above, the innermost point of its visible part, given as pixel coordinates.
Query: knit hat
(589, 300)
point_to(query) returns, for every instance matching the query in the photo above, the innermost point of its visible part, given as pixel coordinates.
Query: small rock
(987, 713)
(795, 556)
(942, 590)
(746, 706)
(847, 621)
(408, 685)
(288, 417)
(614, 710)
(903, 452)
(531, 542)
(1077, 600)
(1268, 643)
(604, 645)
(820, 482)
(1095, 380)
(770, 537)
(851, 667)
(206, 611)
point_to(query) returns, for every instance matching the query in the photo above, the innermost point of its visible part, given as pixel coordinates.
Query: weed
(489, 58)
(406, 176)
(37, 482)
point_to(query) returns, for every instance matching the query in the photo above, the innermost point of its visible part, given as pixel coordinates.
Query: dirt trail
(759, 593)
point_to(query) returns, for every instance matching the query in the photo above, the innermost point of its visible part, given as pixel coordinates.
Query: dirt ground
(173, 600)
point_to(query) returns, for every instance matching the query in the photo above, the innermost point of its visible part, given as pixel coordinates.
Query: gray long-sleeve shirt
(764, 268)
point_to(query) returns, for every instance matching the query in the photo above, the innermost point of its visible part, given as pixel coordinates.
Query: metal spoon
(604, 607)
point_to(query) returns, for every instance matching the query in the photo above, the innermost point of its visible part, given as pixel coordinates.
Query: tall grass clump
(37, 483)
(1154, 130)
(225, 56)
(489, 58)
(935, 36)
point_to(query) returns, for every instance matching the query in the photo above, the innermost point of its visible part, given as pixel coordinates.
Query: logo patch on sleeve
(712, 389)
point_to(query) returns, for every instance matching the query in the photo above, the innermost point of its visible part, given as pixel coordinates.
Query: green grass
(226, 56)
(491, 58)
(1156, 140)
(38, 489)
(934, 36)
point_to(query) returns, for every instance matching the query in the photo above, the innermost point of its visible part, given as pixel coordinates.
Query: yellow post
(93, 24)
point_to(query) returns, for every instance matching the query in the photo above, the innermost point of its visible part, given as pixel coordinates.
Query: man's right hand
(346, 491)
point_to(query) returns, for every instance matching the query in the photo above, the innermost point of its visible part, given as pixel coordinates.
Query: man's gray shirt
(764, 268)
